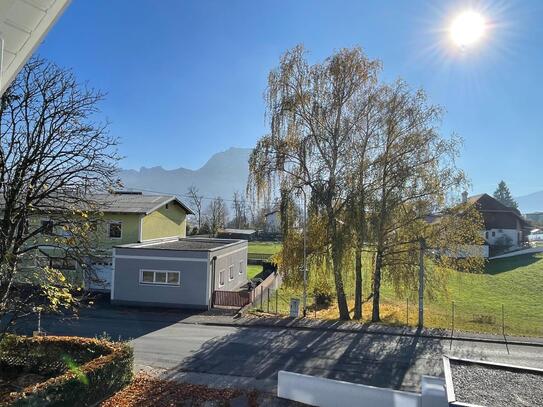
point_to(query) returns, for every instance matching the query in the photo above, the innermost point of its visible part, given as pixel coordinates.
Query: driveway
(252, 356)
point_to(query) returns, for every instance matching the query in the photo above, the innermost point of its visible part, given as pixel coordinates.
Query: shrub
(86, 370)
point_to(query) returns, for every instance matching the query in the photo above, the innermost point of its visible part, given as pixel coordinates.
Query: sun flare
(467, 28)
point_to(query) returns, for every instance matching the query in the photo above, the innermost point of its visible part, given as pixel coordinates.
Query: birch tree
(415, 169)
(313, 111)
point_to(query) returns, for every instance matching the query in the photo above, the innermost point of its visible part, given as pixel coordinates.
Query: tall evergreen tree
(503, 195)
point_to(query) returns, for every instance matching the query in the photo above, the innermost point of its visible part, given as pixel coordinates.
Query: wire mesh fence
(452, 315)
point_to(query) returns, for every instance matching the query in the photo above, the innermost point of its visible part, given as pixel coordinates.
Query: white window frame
(109, 230)
(223, 271)
(230, 272)
(159, 283)
(241, 267)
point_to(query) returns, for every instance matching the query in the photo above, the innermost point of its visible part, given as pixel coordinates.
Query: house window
(159, 277)
(62, 263)
(47, 226)
(486, 235)
(241, 267)
(221, 278)
(493, 233)
(115, 230)
(231, 272)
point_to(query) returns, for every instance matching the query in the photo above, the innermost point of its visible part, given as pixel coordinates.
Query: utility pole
(421, 284)
(305, 254)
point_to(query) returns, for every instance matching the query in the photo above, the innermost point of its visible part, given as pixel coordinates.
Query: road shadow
(110, 321)
(386, 361)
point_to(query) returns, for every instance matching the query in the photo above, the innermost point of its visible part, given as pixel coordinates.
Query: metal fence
(231, 298)
(504, 319)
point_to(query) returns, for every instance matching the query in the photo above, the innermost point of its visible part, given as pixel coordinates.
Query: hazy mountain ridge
(222, 175)
(531, 203)
(226, 172)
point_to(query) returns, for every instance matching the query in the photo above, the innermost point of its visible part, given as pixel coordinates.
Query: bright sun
(467, 28)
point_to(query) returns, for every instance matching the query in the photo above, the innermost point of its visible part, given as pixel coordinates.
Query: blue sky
(185, 79)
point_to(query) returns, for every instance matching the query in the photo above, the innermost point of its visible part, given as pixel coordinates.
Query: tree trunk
(338, 279)
(358, 285)
(375, 317)
(337, 257)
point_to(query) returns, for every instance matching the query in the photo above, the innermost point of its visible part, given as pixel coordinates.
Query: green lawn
(264, 247)
(515, 282)
(253, 270)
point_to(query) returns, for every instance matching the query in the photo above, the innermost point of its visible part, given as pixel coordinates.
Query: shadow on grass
(498, 266)
(395, 362)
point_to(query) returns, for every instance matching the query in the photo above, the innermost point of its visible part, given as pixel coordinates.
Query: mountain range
(227, 172)
(531, 203)
(222, 175)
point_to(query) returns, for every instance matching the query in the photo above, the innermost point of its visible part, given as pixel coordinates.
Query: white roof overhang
(23, 25)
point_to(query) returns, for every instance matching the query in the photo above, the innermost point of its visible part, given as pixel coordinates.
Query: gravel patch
(493, 386)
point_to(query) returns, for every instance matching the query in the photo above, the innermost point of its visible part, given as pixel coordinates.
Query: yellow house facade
(130, 217)
(124, 218)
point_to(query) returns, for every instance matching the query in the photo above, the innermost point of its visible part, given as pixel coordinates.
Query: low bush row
(82, 371)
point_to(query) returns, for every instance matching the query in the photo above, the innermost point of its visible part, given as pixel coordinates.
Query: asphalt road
(223, 355)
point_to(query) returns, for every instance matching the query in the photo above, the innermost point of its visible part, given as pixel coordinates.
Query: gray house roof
(120, 202)
(135, 202)
(185, 244)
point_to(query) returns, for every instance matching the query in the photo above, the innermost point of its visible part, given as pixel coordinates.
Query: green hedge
(85, 371)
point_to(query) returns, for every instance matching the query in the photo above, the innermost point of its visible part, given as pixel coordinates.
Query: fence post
(268, 306)
(276, 299)
(407, 308)
(503, 329)
(421, 284)
(503, 321)
(261, 297)
(452, 325)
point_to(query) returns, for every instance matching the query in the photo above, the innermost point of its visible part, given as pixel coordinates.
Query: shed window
(241, 267)
(115, 230)
(159, 277)
(493, 234)
(221, 278)
(148, 277)
(231, 272)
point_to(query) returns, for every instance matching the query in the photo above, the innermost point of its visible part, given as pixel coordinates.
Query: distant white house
(504, 226)
(536, 235)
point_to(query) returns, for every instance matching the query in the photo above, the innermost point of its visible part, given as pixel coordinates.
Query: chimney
(465, 197)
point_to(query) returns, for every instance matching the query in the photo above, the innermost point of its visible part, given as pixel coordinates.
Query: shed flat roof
(185, 244)
(238, 231)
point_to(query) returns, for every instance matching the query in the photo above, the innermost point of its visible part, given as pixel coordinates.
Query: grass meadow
(508, 291)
